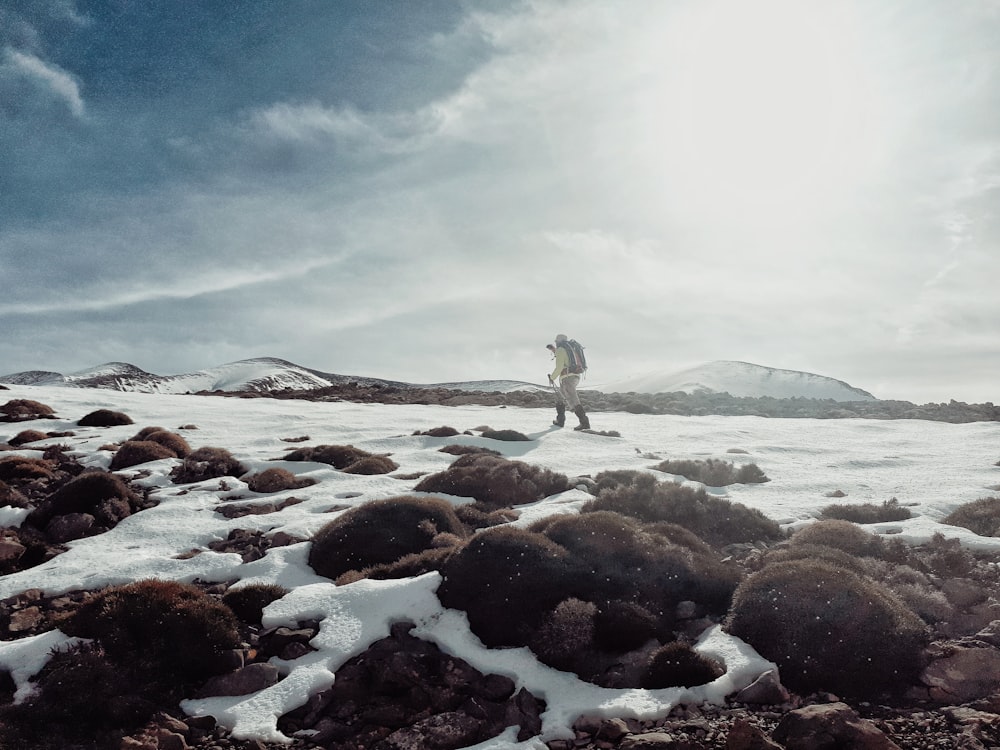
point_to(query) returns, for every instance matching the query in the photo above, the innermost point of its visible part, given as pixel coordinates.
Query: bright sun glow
(770, 112)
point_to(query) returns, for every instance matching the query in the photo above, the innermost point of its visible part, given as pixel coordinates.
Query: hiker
(569, 366)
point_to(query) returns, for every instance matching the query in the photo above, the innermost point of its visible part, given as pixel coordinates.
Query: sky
(430, 192)
(932, 469)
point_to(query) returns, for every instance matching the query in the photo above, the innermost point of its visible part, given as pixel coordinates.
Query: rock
(652, 741)
(447, 730)
(967, 674)
(244, 681)
(766, 690)
(745, 736)
(68, 527)
(990, 634)
(828, 727)
(26, 619)
(167, 740)
(10, 550)
(612, 730)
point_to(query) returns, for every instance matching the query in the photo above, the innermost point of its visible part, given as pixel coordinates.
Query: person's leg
(568, 388)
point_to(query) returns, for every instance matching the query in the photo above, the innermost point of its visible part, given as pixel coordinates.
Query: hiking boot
(560, 419)
(582, 416)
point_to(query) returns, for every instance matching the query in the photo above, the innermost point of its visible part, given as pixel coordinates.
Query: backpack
(577, 359)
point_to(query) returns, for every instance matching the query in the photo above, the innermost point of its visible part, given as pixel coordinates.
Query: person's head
(560, 338)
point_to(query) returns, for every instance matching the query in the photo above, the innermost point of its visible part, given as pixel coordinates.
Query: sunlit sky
(431, 191)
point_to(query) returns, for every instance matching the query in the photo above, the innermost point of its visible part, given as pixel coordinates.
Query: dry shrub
(248, 602)
(506, 435)
(99, 493)
(621, 626)
(495, 481)
(820, 552)
(337, 456)
(479, 516)
(842, 535)
(170, 629)
(463, 450)
(714, 472)
(565, 633)
(135, 452)
(166, 438)
(890, 510)
(24, 408)
(980, 516)
(277, 480)
(372, 465)
(381, 532)
(507, 579)
(439, 432)
(105, 418)
(207, 463)
(408, 566)
(678, 665)
(716, 520)
(27, 436)
(948, 558)
(828, 628)
(10, 496)
(24, 469)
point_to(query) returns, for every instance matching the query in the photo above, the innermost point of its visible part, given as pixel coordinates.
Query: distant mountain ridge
(268, 374)
(742, 379)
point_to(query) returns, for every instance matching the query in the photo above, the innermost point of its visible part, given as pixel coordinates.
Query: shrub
(980, 516)
(842, 535)
(462, 450)
(248, 602)
(714, 472)
(678, 665)
(168, 628)
(104, 418)
(10, 496)
(479, 516)
(948, 558)
(27, 436)
(337, 456)
(135, 452)
(820, 552)
(24, 469)
(828, 629)
(439, 432)
(372, 465)
(408, 566)
(494, 481)
(86, 493)
(507, 435)
(207, 463)
(716, 520)
(565, 632)
(24, 408)
(506, 579)
(890, 510)
(621, 626)
(277, 480)
(167, 439)
(381, 532)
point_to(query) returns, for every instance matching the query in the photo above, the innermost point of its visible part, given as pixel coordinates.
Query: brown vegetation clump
(444, 431)
(135, 452)
(207, 463)
(166, 438)
(372, 465)
(248, 602)
(716, 520)
(381, 532)
(98, 493)
(566, 632)
(890, 510)
(621, 626)
(714, 472)
(495, 481)
(277, 480)
(23, 468)
(842, 535)
(678, 665)
(105, 418)
(171, 629)
(462, 450)
(27, 436)
(980, 516)
(337, 456)
(828, 628)
(10, 496)
(19, 409)
(506, 435)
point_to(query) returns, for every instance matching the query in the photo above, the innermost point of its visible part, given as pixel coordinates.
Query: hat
(560, 338)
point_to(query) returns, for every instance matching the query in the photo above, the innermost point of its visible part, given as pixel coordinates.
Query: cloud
(49, 77)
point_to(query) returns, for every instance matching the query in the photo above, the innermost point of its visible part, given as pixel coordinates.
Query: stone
(11, 550)
(446, 730)
(248, 679)
(649, 741)
(766, 690)
(68, 527)
(612, 730)
(967, 674)
(167, 740)
(828, 727)
(745, 736)
(26, 619)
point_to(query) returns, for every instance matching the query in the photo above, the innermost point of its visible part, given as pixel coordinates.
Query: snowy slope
(741, 379)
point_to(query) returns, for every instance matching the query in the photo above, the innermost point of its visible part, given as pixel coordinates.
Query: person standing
(567, 373)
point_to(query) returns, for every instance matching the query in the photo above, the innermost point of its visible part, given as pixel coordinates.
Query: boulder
(828, 727)
(963, 674)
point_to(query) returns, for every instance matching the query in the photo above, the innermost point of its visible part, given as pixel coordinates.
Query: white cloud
(51, 77)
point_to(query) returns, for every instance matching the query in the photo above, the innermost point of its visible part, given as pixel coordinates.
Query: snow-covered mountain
(741, 379)
(258, 374)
